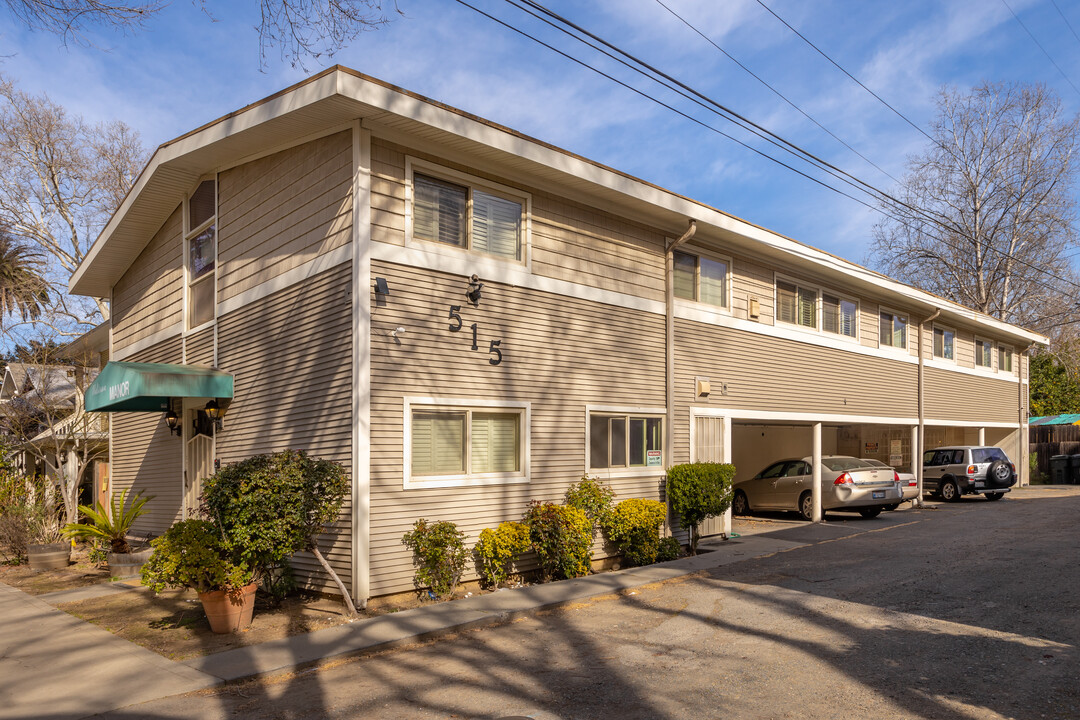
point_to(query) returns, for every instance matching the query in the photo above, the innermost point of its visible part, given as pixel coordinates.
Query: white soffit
(340, 95)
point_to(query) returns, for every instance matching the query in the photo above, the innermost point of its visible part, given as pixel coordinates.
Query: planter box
(127, 565)
(52, 556)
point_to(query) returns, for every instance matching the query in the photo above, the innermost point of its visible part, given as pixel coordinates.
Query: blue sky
(185, 68)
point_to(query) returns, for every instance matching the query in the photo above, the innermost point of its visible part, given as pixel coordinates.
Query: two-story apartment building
(308, 262)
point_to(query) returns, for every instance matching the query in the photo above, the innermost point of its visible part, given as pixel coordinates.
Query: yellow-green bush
(592, 497)
(496, 550)
(562, 538)
(634, 526)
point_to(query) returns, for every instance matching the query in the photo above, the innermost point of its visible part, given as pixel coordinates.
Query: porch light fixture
(172, 420)
(381, 288)
(215, 412)
(473, 293)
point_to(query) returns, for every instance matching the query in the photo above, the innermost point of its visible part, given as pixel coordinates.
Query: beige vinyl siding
(283, 210)
(751, 279)
(291, 355)
(199, 347)
(960, 396)
(869, 326)
(778, 375)
(559, 353)
(146, 457)
(570, 241)
(965, 349)
(149, 297)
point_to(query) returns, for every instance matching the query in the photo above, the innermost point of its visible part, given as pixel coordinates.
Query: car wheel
(870, 512)
(949, 491)
(739, 504)
(892, 507)
(999, 473)
(806, 505)
(994, 496)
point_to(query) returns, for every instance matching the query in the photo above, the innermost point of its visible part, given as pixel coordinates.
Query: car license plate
(879, 494)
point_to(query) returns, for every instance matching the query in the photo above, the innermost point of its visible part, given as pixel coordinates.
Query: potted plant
(194, 554)
(45, 549)
(112, 527)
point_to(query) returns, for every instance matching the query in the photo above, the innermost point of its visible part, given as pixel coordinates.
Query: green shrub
(496, 550)
(194, 554)
(439, 555)
(634, 526)
(562, 537)
(669, 549)
(592, 497)
(698, 491)
(110, 527)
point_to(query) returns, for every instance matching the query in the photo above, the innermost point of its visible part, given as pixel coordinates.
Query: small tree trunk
(330, 571)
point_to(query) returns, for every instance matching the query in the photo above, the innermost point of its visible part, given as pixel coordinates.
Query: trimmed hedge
(634, 526)
(562, 538)
(698, 491)
(497, 549)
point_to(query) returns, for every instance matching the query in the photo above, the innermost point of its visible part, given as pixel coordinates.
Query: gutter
(669, 286)
(916, 453)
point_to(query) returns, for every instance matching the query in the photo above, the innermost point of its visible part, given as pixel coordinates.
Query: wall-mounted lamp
(381, 288)
(215, 412)
(172, 420)
(399, 330)
(473, 293)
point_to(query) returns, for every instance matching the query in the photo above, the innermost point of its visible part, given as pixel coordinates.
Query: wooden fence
(1049, 440)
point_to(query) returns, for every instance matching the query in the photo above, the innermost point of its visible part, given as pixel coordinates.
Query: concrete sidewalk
(53, 665)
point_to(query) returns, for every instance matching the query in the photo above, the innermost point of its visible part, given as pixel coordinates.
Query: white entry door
(708, 445)
(198, 455)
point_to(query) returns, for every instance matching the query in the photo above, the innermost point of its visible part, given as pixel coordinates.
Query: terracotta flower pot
(51, 556)
(226, 616)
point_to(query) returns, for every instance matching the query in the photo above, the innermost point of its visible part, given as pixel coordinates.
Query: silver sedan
(847, 483)
(908, 482)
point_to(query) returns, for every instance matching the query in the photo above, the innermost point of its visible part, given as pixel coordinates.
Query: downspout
(669, 287)
(916, 454)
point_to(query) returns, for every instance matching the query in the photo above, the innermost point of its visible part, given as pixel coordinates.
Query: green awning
(148, 387)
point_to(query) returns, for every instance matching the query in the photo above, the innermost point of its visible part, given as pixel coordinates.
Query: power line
(1039, 44)
(1067, 23)
(774, 90)
(922, 214)
(841, 69)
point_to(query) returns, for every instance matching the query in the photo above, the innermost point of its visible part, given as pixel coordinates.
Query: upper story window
(795, 304)
(893, 329)
(201, 254)
(702, 278)
(1005, 357)
(984, 353)
(467, 215)
(944, 343)
(839, 315)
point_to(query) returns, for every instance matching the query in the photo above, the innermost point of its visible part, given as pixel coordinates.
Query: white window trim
(464, 480)
(800, 285)
(189, 233)
(413, 164)
(1013, 357)
(992, 367)
(955, 337)
(626, 472)
(907, 334)
(821, 315)
(709, 255)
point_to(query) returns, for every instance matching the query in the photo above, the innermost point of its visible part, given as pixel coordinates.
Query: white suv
(950, 472)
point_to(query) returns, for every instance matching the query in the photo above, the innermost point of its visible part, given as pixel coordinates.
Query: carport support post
(916, 462)
(982, 436)
(816, 490)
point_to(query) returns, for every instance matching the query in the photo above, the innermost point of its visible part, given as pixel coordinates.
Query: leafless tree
(47, 421)
(987, 217)
(300, 29)
(61, 179)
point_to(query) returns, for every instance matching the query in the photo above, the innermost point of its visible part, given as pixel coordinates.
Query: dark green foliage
(439, 555)
(278, 582)
(272, 506)
(634, 526)
(698, 491)
(669, 549)
(592, 497)
(1054, 387)
(562, 538)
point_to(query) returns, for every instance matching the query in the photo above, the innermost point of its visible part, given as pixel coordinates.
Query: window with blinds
(892, 330)
(466, 217)
(984, 353)
(839, 316)
(465, 442)
(624, 441)
(944, 343)
(796, 305)
(201, 239)
(701, 278)
(1005, 359)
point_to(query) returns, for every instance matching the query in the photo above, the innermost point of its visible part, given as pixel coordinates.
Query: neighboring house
(304, 263)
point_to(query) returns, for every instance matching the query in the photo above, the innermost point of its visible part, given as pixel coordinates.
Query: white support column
(982, 436)
(916, 463)
(816, 490)
(361, 327)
